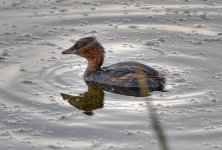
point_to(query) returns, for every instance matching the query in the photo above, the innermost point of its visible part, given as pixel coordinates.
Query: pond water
(180, 38)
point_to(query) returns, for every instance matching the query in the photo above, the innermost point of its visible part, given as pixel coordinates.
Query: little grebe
(119, 77)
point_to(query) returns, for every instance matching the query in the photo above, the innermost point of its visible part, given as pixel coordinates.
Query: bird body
(121, 77)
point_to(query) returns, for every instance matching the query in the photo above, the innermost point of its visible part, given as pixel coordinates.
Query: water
(181, 39)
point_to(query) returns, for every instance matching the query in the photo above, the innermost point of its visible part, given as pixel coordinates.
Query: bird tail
(161, 82)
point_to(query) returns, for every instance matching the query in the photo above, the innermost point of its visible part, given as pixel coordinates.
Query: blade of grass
(156, 125)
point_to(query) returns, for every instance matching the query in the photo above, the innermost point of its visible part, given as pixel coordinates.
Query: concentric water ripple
(67, 76)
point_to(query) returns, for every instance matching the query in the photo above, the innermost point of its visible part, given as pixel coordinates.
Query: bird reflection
(88, 101)
(94, 97)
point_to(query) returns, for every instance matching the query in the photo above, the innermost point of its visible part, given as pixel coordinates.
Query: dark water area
(181, 39)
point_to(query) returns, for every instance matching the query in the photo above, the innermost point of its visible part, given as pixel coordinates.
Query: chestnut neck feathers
(94, 53)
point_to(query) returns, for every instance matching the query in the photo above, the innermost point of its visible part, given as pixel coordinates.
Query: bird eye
(80, 45)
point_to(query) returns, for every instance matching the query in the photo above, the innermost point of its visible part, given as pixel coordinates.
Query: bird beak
(68, 51)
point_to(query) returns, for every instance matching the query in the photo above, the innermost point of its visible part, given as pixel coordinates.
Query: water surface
(181, 39)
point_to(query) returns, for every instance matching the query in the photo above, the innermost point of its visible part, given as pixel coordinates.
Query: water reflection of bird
(93, 98)
(120, 77)
(88, 101)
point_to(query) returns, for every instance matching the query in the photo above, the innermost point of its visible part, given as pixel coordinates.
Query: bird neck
(94, 65)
